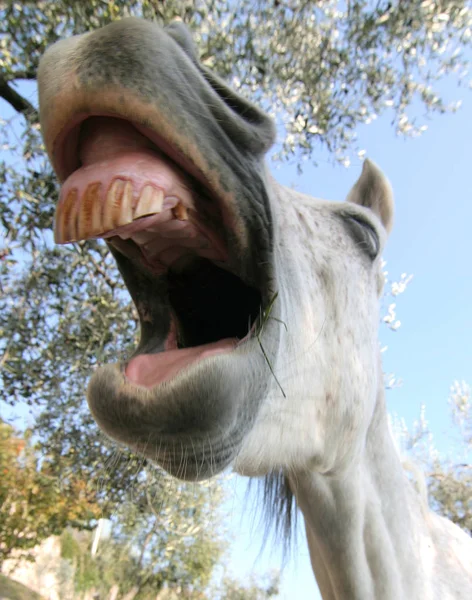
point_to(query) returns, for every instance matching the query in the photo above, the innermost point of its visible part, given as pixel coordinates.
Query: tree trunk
(113, 593)
(131, 594)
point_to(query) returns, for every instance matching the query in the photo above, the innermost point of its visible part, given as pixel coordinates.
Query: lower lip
(149, 370)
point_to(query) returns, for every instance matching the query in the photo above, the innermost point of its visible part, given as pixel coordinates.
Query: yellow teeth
(150, 202)
(89, 217)
(66, 219)
(93, 215)
(118, 205)
(180, 212)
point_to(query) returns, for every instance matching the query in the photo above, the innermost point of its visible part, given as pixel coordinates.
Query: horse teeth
(180, 212)
(118, 205)
(92, 215)
(89, 223)
(59, 224)
(150, 202)
(66, 219)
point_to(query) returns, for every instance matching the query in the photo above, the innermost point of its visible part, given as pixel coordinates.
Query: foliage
(139, 559)
(163, 533)
(392, 289)
(233, 590)
(450, 491)
(170, 533)
(449, 481)
(323, 66)
(35, 500)
(135, 558)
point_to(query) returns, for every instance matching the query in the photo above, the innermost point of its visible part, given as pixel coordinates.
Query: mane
(279, 510)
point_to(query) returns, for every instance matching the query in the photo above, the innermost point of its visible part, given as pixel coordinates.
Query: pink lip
(149, 370)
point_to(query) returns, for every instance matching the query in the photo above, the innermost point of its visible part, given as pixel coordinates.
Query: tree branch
(29, 74)
(17, 101)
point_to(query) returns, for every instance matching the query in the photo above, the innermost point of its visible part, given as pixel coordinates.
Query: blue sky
(432, 182)
(431, 178)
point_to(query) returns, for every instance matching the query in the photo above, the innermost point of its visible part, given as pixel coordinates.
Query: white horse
(258, 307)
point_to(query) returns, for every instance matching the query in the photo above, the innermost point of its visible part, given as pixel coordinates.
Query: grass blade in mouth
(265, 316)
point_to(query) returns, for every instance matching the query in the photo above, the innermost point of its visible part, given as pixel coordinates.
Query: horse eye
(364, 235)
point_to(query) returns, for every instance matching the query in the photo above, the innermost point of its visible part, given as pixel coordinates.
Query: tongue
(148, 370)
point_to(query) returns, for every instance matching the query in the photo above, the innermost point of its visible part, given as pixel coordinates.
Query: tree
(168, 540)
(322, 67)
(158, 552)
(448, 480)
(233, 590)
(35, 502)
(325, 65)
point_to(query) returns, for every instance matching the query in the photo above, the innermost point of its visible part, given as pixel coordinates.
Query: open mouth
(171, 238)
(158, 157)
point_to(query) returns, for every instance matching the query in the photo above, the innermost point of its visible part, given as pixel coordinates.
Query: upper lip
(65, 155)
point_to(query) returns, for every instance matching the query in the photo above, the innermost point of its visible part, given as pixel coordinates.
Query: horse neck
(365, 528)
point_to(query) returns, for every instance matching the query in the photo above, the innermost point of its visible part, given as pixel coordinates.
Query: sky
(431, 239)
(431, 178)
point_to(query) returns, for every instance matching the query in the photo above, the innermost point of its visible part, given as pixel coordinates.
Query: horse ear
(373, 191)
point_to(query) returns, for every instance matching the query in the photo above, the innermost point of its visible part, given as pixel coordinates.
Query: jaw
(193, 425)
(190, 408)
(191, 390)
